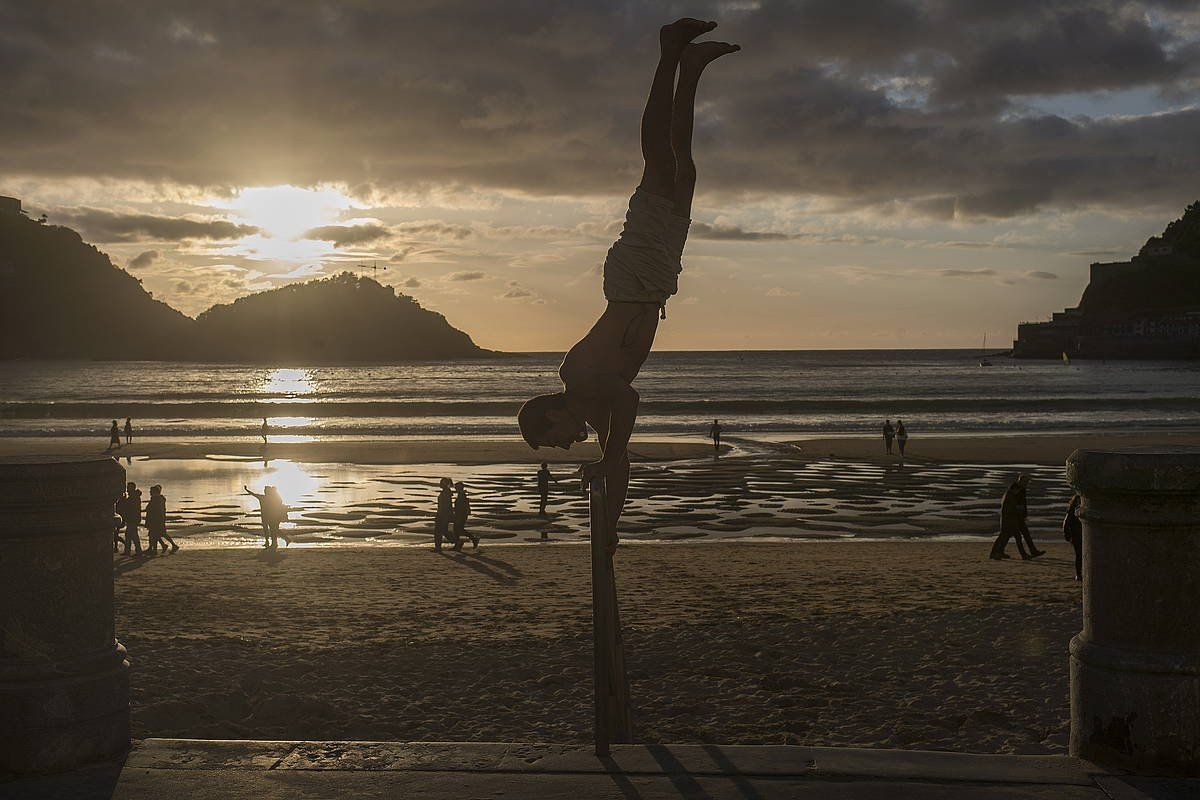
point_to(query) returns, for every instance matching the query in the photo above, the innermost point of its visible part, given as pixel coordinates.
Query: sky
(872, 173)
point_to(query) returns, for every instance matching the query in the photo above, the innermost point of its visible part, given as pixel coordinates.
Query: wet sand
(904, 644)
(1037, 448)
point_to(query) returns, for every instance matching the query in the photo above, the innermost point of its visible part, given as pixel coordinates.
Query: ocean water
(768, 393)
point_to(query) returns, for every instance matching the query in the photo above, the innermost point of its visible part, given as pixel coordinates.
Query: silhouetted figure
(264, 430)
(128, 430)
(444, 515)
(131, 512)
(640, 272)
(543, 483)
(273, 513)
(901, 437)
(1073, 533)
(714, 433)
(462, 512)
(114, 436)
(156, 521)
(1013, 511)
(889, 433)
(118, 524)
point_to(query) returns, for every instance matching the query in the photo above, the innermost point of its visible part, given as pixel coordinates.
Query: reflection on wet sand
(779, 495)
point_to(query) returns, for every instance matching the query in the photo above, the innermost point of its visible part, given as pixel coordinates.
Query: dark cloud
(466, 276)
(967, 273)
(733, 233)
(99, 225)
(435, 230)
(867, 102)
(342, 235)
(1041, 275)
(144, 259)
(411, 283)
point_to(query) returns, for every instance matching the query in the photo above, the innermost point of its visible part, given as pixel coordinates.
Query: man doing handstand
(640, 273)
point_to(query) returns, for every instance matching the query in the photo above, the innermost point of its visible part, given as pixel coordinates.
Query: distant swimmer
(714, 433)
(543, 483)
(114, 436)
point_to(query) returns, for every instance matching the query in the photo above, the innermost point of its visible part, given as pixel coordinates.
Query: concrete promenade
(265, 770)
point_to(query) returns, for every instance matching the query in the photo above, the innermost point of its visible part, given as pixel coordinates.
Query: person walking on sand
(273, 512)
(156, 521)
(114, 437)
(889, 433)
(641, 271)
(462, 512)
(1013, 512)
(1073, 533)
(714, 433)
(543, 483)
(264, 430)
(901, 438)
(131, 512)
(444, 514)
(128, 430)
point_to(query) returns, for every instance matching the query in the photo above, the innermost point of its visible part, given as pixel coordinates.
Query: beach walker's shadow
(128, 564)
(272, 555)
(484, 566)
(496, 563)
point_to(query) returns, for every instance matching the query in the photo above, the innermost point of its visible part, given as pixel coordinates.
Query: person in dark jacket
(462, 512)
(1073, 533)
(1013, 511)
(156, 521)
(444, 514)
(128, 430)
(130, 509)
(543, 483)
(889, 433)
(114, 436)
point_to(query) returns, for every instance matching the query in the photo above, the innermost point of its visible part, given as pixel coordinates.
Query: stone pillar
(1135, 667)
(64, 679)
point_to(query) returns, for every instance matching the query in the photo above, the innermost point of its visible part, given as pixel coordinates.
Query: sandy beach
(907, 644)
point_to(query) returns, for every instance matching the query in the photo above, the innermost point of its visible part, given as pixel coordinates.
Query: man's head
(156, 489)
(446, 483)
(545, 465)
(129, 487)
(545, 421)
(1022, 480)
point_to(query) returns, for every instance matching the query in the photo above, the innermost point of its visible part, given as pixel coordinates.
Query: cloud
(100, 225)
(411, 283)
(967, 273)
(733, 233)
(342, 235)
(779, 291)
(513, 290)
(1040, 275)
(862, 102)
(144, 259)
(466, 276)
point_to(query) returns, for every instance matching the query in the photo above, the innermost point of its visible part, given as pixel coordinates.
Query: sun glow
(289, 382)
(283, 215)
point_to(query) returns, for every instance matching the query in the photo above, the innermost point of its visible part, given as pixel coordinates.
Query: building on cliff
(1147, 307)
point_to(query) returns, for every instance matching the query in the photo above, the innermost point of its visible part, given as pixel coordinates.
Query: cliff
(342, 318)
(62, 298)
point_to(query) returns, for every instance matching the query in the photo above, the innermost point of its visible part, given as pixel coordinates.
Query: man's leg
(658, 176)
(691, 64)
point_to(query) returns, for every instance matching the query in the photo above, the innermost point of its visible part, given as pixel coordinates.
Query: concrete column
(64, 682)
(1135, 667)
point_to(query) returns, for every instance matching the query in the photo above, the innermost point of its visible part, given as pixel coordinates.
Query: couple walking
(898, 433)
(274, 513)
(129, 508)
(453, 510)
(114, 434)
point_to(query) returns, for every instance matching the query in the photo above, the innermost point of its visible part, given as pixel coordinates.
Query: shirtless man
(640, 273)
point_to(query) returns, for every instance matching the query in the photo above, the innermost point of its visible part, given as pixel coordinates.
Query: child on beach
(640, 272)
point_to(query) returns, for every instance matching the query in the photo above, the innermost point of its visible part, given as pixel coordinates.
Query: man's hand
(589, 472)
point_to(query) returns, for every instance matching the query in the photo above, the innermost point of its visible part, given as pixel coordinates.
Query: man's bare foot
(697, 56)
(675, 37)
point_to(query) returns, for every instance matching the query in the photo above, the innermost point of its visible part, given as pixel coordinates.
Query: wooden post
(610, 685)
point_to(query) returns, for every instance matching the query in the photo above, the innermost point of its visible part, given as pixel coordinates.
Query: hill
(342, 318)
(62, 298)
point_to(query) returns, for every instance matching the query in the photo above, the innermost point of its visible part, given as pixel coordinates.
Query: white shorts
(643, 265)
